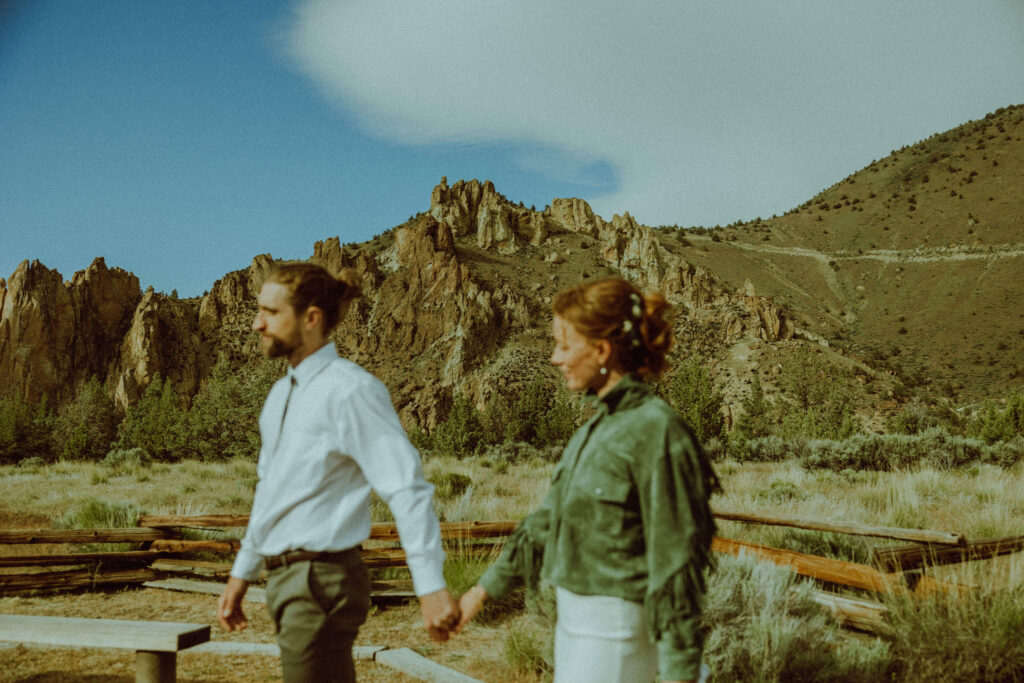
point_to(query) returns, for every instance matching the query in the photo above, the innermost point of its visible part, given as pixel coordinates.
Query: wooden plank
(910, 557)
(822, 568)
(73, 579)
(128, 535)
(852, 528)
(393, 589)
(221, 648)
(450, 530)
(79, 558)
(176, 546)
(412, 664)
(384, 557)
(380, 531)
(158, 521)
(253, 594)
(864, 615)
(205, 568)
(153, 636)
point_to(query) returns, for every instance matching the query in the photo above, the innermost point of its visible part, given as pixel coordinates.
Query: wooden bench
(156, 643)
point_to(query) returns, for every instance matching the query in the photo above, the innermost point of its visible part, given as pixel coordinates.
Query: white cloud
(705, 112)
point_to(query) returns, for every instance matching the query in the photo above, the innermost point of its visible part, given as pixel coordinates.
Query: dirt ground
(476, 652)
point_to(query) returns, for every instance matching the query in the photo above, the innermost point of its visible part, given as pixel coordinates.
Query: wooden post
(155, 667)
(817, 567)
(853, 528)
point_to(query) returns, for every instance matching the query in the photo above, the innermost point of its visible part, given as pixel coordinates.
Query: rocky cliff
(455, 299)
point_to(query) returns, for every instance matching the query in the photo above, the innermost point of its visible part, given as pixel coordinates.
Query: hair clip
(637, 309)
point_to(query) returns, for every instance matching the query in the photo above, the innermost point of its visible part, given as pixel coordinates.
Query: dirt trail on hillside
(918, 255)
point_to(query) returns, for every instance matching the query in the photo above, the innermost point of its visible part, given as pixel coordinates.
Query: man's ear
(313, 318)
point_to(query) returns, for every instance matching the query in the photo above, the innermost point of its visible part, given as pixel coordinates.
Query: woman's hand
(470, 604)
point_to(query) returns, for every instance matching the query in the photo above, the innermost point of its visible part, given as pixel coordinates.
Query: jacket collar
(627, 393)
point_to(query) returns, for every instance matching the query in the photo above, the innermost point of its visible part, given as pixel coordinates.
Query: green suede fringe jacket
(627, 515)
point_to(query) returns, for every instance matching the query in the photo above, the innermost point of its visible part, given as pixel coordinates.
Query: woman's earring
(604, 370)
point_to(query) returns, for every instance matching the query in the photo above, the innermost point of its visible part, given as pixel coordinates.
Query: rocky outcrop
(163, 339)
(36, 332)
(634, 250)
(54, 334)
(429, 323)
(225, 304)
(471, 208)
(451, 299)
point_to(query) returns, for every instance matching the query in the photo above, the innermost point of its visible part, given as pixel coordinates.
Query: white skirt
(603, 639)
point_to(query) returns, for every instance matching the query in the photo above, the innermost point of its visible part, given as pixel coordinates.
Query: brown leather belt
(293, 556)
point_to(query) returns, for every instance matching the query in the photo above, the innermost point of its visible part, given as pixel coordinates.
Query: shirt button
(599, 490)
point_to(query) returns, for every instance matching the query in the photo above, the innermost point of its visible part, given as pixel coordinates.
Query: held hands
(440, 614)
(470, 604)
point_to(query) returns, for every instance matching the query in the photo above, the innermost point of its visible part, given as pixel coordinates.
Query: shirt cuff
(427, 574)
(247, 565)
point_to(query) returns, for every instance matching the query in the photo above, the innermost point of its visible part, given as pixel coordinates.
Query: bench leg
(155, 667)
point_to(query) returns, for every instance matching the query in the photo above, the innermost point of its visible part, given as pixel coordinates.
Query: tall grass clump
(529, 644)
(95, 513)
(973, 636)
(127, 460)
(763, 626)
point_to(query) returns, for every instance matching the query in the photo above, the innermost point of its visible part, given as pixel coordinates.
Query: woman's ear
(604, 351)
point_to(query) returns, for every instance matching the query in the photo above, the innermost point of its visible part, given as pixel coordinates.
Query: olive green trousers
(317, 608)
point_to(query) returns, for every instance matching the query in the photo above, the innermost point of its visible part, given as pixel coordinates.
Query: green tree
(818, 401)
(758, 418)
(223, 421)
(25, 430)
(156, 423)
(993, 424)
(461, 432)
(689, 390)
(85, 428)
(536, 413)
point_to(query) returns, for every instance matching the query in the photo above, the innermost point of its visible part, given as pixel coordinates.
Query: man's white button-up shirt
(339, 437)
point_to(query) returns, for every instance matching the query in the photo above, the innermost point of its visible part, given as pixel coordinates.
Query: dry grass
(979, 502)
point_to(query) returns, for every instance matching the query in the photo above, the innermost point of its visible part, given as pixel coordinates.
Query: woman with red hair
(624, 534)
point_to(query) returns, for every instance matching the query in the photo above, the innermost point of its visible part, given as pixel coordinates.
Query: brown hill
(915, 262)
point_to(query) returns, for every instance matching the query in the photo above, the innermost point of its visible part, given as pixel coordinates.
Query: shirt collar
(312, 364)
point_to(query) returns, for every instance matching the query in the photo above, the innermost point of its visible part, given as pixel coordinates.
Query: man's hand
(440, 614)
(229, 605)
(470, 604)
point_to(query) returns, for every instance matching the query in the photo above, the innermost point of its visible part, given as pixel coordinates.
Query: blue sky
(178, 140)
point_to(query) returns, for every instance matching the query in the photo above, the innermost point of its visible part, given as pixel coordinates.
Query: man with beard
(329, 434)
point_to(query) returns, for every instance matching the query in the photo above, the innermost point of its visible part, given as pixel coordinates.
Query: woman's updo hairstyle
(312, 285)
(637, 325)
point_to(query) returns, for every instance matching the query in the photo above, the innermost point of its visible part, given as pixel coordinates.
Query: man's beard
(280, 348)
